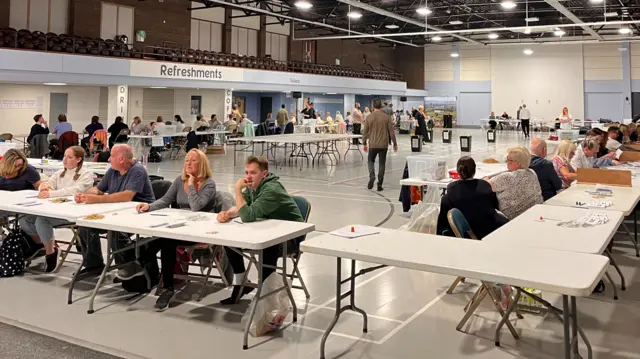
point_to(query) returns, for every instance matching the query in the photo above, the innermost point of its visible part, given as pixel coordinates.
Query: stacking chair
(462, 229)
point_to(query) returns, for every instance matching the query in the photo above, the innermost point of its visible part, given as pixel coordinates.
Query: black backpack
(12, 255)
(139, 284)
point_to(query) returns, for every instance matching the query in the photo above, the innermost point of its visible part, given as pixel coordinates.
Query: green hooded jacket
(269, 201)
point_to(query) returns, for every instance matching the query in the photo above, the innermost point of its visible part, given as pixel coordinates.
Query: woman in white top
(69, 181)
(365, 114)
(342, 126)
(565, 119)
(179, 123)
(518, 189)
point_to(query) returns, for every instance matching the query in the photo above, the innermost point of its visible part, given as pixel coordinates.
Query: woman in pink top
(562, 163)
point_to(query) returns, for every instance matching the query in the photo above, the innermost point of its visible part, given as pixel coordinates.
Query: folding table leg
(287, 286)
(566, 326)
(634, 239)
(623, 285)
(615, 290)
(574, 326)
(75, 278)
(104, 272)
(455, 284)
(482, 292)
(254, 303)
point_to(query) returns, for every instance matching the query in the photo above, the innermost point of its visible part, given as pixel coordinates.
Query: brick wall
(162, 21)
(409, 61)
(4, 13)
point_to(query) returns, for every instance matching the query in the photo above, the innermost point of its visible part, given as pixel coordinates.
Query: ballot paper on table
(618, 153)
(358, 231)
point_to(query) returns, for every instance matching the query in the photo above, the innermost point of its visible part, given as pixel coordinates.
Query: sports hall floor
(410, 315)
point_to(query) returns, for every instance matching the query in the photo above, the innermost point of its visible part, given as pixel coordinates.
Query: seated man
(126, 180)
(550, 183)
(259, 195)
(613, 136)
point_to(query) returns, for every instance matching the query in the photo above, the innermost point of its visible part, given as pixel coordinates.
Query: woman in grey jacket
(194, 190)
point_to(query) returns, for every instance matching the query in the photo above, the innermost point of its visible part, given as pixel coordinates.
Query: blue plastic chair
(461, 229)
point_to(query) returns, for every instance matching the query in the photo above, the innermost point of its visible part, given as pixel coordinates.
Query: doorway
(635, 104)
(266, 104)
(57, 105)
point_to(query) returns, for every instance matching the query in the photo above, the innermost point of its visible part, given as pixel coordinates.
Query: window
(116, 20)
(39, 15)
(277, 46)
(206, 35)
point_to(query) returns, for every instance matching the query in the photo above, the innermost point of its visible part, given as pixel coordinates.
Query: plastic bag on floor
(272, 310)
(424, 218)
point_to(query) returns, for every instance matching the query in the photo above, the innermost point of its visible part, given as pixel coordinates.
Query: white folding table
(570, 274)
(52, 166)
(529, 230)
(203, 227)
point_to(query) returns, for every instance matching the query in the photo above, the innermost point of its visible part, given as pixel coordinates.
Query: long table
(570, 274)
(482, 170)
(326, 145)
(203, 227)
(52, 166)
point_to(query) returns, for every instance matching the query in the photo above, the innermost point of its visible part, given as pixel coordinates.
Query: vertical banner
(123, 102)
(228, 103)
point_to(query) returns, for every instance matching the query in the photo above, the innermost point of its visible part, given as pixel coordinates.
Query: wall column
(262, 33)
(349, 103)
(118, 104)
(226, 30)
(626, 80)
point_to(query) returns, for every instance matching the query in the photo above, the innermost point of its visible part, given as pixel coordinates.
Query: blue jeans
(41, 226)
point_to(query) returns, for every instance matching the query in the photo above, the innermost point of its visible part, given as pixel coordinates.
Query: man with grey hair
(525, 116)
(550, 183)
(585, 154)
(126, 181)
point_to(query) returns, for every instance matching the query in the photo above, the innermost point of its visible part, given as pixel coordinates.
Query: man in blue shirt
(126, 181)
(62, 126)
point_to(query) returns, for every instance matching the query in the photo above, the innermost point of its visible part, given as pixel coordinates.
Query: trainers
(164, 300)
(51, 261)
(130, 270)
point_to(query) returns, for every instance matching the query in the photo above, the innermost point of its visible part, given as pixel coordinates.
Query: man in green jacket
(259, 195)
(282, 117)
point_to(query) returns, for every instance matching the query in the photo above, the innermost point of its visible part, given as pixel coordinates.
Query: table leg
(352, 302)
(76, 276)
(286, 282)
(566, 326)
(623, 285)
(104, 272)
(338, 311)
(254, 303)
(635, 230)
(574, 326)
(507, 313)
(615, 290)
(633, 239)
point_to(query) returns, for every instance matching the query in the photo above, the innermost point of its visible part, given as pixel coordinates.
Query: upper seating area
(36, 40)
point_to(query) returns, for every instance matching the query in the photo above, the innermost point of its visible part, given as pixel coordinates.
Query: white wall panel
(234, 40)
(252, 22)
(603, 74)
(252, 43)
(277, 28)
(284, 48)
(18, 14)
(157, 102)
(204, 39)
(242, 41)
(108, 21)
(216, 37)
(546, 81)
(39, 15)
(195, 33)
(212, 103)
(103, 105)
(438, 75)
(59, 21)
(125, 22)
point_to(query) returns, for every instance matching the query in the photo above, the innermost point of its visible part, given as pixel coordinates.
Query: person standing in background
(365, 114)
(421, 129)
(39, 128)
(137, 127)
(282, 118)
(387, 109)
(518, 113)
(565, 119)
(376, 134)
(357, 122)
(237, 116)
(525, 115)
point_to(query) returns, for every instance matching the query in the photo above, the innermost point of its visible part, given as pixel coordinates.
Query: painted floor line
(411, 318)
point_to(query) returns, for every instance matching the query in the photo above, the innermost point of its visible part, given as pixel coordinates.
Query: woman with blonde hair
(16, 174)
(70, 180)
(194, 190)
(517, 189)
(342, 126)
(565, 119)
(562, 163)
(625, 134)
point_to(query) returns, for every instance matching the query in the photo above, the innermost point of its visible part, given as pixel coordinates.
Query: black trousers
(373, 153)
(269, 258)
(168, 257)
(356, 131)
(525, 127)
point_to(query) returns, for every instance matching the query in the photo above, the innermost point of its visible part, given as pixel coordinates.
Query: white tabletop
(527, 230)
(567, 273)
(297, 138)
(624, 199)
(482, 170)
(255, 235)
(53, 166)
(69, 211)
(182, 134)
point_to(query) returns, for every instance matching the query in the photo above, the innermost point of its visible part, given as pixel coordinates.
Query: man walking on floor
(376, 136)
(525, 116)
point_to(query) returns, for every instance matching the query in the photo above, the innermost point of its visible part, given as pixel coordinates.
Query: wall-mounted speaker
(296, 94)
(403, 98)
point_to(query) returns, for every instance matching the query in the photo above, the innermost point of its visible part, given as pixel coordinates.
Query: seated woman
(69, 181)
(562, 163)
(16, 174)
(474, 198)
(114, 131)
(195, 190)
(518, 189)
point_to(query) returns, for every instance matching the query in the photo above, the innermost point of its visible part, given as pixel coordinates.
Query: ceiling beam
(408, 20)
(571, 16)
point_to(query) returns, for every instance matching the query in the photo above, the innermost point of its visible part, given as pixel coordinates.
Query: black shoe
(91, 270)
(164, 300)
(370, 184)
(51, 261)
(380, 188)
(37, 250)
(233, 299)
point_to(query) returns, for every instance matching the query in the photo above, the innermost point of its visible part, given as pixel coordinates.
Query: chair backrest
(6, 136)
(67, 140)
(102, 136)
(303, 205)
(224, 201)
(160, 188)
(459, 224)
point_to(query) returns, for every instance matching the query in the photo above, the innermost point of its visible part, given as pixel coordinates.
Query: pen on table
(158, 214)
(158, 225)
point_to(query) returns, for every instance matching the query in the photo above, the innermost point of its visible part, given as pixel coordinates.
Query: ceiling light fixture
(597, 1)
(158, 87)
(392, 26)
(622, 49)
(436, 38)
(55, 84)
(532, 19)
(423, 10)
(354, 14)
(455, 54)
(527, 52)
(508, 4)
(624, 30)
(303, 4)
(610, 14)
(493, 36)
(559, 32)
(455, 22)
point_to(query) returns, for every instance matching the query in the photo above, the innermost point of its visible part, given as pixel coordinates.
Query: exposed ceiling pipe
(266, 12)
(392, 15)
(543, 28)
(571, 16)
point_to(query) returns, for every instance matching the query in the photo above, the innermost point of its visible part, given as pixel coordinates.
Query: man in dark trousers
(376, 141)
(421, 130)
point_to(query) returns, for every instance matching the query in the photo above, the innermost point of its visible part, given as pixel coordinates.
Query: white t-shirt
(160, 128)
(525, 114)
